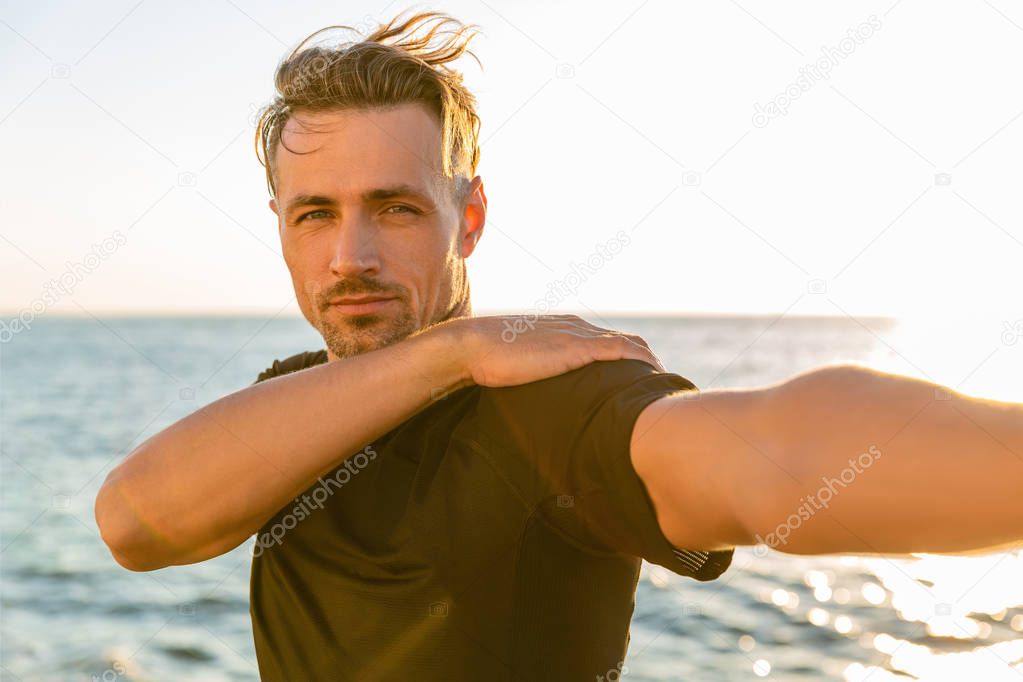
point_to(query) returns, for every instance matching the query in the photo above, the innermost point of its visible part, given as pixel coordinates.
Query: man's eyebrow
(308, 200)
(379, 194)
(384, 193)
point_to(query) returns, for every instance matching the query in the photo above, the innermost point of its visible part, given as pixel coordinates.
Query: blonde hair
(398, 63)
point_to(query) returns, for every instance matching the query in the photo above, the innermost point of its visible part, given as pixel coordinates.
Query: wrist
(449, 344)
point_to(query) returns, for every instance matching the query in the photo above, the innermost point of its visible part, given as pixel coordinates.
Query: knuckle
(636, 338)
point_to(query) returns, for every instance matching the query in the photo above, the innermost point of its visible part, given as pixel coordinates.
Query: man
(442, 496)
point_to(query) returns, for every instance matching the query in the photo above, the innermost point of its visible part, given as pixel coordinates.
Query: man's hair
(402, 62)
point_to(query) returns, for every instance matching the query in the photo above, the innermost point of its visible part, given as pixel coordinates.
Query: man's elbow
(121, 530)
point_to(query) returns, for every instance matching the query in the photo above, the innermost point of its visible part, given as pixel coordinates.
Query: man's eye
(312, 215)
(399, 209)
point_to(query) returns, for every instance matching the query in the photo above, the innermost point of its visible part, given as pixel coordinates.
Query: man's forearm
(851, 459)
(203, 485)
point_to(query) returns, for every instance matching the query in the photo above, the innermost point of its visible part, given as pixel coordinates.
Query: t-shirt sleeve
(578, 427)
(292, 364)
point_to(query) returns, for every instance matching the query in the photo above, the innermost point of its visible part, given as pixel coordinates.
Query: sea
(77, 394)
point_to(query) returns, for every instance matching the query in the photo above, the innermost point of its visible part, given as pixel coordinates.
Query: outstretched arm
(203, 485)
(843, 458)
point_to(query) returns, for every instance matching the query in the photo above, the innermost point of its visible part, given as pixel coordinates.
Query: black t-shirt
(495, 535)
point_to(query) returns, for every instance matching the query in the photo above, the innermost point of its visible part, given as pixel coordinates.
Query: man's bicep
(692, 450)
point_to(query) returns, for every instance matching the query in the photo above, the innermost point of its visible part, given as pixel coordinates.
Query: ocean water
(77, 394)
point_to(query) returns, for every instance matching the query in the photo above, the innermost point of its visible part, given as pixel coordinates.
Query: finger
(643, 351)
(647, 355)
(638, 339)
(618, 346)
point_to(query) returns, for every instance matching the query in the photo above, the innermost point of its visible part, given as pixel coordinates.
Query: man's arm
(839, 459)
(203, 485)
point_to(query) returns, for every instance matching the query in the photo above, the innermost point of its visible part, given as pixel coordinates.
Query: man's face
(371, 230)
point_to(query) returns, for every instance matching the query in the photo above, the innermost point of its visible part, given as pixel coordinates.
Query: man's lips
(360, 305)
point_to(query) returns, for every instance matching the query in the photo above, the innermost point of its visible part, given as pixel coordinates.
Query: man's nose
(355, 248)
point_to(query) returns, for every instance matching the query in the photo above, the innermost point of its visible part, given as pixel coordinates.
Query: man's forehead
(360, 150)
(407, 128)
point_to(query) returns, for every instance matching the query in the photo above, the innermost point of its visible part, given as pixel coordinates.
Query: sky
(860, 159)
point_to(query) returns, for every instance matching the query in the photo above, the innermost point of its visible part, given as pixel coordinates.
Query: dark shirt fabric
(495, 535)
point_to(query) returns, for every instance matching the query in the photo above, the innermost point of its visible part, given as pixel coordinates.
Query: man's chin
(366, 321)
(350, 335)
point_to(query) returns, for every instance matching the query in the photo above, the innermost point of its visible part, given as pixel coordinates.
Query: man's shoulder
(293, 363)
(594, 381)
(576, 396)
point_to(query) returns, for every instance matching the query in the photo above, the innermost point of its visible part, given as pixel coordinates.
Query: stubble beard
(363, 333)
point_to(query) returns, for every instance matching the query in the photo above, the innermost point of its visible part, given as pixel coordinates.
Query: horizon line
(246, 313)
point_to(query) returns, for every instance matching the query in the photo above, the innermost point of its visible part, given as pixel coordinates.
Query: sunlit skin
(385, 221)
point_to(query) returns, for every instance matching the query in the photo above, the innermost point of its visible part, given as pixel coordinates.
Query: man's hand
(509, 350)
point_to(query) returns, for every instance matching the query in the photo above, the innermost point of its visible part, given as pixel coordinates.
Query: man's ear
(273, 207)
(474, 216)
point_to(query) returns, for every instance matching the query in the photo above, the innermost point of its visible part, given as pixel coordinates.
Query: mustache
(358, 287)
